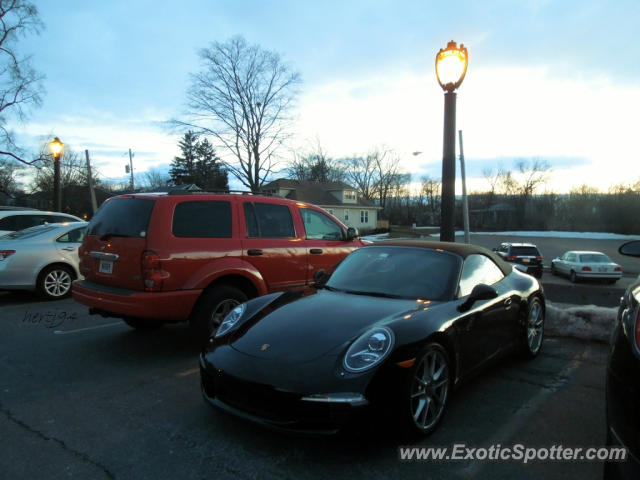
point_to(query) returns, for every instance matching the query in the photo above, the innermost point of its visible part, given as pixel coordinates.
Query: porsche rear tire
(427, 390)
(534, 328)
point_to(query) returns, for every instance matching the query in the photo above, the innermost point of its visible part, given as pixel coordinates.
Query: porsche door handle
(255, 252)
(315, 251)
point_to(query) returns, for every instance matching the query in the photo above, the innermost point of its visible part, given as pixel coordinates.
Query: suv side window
(319, 226)
(478, 269)
(268, 220)
(202, 219)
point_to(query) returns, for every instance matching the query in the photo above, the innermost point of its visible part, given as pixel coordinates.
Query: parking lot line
(188, 372)
(65, 332)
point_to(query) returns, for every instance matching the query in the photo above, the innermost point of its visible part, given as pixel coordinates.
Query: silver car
(582, 264)
(16, 220)
(42, 258)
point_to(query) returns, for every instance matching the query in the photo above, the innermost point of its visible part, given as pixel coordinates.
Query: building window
(346, 215)
(364, 216)
(349, 195)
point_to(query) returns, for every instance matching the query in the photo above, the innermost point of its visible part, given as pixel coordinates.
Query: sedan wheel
(429, 388)
(572, 277)
(553, 269)
(55, 282)
(535, 328)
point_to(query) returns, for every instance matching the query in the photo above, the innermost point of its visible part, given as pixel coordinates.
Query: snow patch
(585, 322)
(591, 235)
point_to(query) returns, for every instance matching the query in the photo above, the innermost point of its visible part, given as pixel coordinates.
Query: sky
(549, 80)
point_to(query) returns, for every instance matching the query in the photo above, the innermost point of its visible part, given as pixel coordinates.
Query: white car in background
(14, 220)
(42, 258)
(577, 265)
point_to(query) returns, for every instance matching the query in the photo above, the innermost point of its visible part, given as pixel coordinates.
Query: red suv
(156, 258)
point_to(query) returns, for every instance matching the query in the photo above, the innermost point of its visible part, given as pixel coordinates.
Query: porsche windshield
(396, 271)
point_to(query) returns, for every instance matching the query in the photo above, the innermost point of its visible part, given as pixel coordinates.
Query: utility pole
(92, 193)
(131, 169)
(465, 203)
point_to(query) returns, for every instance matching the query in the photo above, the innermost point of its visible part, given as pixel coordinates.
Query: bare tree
(73, 171)
(387, 166)
(154, 179)
(20, 84)
(243, 97)
(533, 173)
(9, 171)
(362, 174)
(315, 166)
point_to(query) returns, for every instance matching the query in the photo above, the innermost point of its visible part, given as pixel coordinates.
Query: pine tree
(183, 169)
(209, 171)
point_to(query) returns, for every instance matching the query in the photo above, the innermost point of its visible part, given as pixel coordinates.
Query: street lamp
(56, 150)
(451, 67)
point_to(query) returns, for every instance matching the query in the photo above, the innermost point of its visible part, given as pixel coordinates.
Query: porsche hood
(313, 326)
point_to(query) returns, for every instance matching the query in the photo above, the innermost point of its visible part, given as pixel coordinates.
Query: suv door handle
(315, 251)
(255, 252)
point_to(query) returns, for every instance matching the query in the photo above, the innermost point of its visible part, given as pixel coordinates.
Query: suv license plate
(106, 267)
(526, 260)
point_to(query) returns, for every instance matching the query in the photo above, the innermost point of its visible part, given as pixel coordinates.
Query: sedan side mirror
(479, 292)
(352, 233)
(631, 249)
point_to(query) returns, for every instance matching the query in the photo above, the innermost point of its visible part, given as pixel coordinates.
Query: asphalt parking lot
(88, 397)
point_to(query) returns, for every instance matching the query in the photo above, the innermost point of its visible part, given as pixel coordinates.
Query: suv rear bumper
(119, 302)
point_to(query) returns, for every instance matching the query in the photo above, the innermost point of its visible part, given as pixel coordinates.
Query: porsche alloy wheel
(429, 388)
(55, 282)
(535, 328)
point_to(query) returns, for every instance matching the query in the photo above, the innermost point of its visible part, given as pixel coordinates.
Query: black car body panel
(623, 387)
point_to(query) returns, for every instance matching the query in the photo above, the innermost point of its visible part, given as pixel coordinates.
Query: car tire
(142, 323)
(212, 307)
(573, 277)
(534, 328)
(54, 282)
(426, 391)
(554, 272)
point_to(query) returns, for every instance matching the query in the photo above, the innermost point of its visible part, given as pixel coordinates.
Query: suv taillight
(511, 258)
(5, 253)
(538, 257)
(151, 273)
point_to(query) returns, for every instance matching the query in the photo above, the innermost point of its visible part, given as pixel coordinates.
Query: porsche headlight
(231, 320)
(369, 349)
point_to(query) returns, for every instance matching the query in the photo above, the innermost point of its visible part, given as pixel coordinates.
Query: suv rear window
(202, 219)
(123, 217)
(528, 251)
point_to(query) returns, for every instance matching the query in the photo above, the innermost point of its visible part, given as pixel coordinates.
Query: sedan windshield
(29, 232)
(594, 258)
(398, 272)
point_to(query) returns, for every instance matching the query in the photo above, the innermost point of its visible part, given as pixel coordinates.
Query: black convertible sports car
(398, 325)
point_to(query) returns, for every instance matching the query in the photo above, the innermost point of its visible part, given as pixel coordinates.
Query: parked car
(526, 254)
(578, 265)
(14, 220)
(42, 258)
(622, 385)
(156, 258)
(397, 326)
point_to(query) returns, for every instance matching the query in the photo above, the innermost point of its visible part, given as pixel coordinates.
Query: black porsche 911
(398, 325)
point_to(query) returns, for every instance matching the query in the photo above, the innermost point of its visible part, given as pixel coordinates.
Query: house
(339, 199)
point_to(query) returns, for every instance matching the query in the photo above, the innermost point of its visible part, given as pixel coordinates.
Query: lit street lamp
(451, 67)
(56, 150)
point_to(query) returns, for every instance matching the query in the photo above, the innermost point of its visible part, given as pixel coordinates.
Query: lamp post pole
(447, 222)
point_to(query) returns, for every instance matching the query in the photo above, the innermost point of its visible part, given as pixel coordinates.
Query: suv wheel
(214, 305)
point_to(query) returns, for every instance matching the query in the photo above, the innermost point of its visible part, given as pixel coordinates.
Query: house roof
(316, 193)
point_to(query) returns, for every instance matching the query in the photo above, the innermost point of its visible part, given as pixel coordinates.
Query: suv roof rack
(217, 192)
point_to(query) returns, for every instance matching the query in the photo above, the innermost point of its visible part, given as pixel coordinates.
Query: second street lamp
(451, 67)
(56, 150)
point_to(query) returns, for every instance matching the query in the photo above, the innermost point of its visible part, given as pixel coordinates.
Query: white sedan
(42, 258)
(582, 264)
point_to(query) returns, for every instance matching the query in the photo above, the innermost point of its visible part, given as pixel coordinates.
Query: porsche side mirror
(352, 233)
(479, 292)
(521, 268)
(631, 249)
